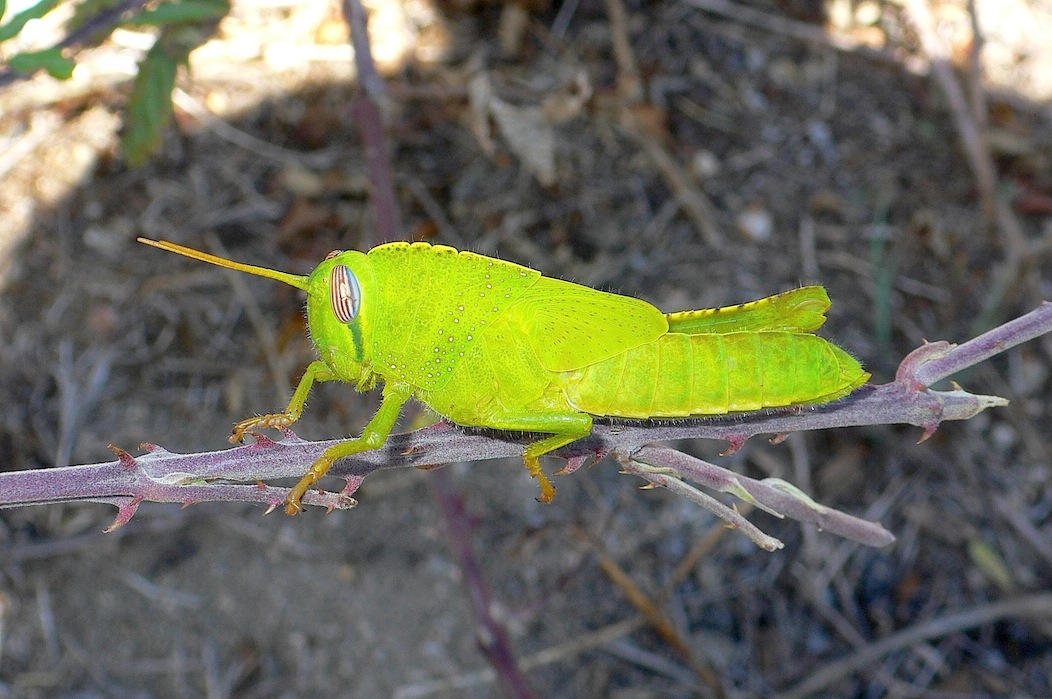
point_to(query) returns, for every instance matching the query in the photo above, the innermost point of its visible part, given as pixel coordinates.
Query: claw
(547, 490)
(294, 502)
(533, 465)
(279, 421)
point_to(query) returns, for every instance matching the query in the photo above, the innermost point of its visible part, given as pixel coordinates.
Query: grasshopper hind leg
(564, 428)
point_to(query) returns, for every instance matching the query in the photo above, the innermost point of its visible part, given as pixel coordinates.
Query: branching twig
(745, 14)
(970, 128)
(102, 21)
(368, 114)
(492, 636)
(664, 467)
(161, 476)
(1030, 607)
(367, 109)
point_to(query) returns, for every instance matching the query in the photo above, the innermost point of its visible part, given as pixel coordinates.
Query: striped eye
(333, 254)
(345, 294)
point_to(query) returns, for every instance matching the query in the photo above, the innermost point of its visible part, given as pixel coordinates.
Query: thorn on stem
(124, 514)
(353, 484)
(288, 436)
(929, 430)
(127, 460)
(573, 463)
(262, 440)
(735, 443)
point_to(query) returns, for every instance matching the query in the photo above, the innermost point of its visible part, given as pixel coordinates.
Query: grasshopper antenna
(295, 280)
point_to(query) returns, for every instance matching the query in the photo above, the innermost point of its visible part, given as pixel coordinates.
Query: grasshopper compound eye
(333, 254)
(345, 294)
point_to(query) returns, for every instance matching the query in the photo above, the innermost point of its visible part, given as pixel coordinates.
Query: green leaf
(18, 21)
(50, 60)
(988, 559)
(181, 12)
(150, 105)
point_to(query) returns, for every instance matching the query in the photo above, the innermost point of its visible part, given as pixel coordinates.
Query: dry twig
(970, 122)
(1039, 605)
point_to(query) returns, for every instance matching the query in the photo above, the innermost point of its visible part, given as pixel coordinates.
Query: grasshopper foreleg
(373, 437)
(316, 372)
(565, 428)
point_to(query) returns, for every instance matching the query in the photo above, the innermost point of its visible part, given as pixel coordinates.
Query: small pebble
(756, 223)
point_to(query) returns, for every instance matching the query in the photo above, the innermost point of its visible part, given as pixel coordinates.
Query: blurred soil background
(694, 153)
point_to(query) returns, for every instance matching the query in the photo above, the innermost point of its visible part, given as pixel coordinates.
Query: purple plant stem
(367, 114)
(667, 477)
(443, 443)
(492, 637)
(366, 109)
(1027, 327)
(714, 477)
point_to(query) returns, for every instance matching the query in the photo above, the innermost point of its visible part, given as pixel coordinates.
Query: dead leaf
(525, 130)
(530, 136)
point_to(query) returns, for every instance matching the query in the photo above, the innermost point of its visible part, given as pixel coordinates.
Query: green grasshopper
(489, 343)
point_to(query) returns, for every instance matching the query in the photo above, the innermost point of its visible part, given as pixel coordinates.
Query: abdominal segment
(680, 375)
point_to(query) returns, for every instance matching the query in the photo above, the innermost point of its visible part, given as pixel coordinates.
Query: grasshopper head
(335, 303)
(340, 303)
